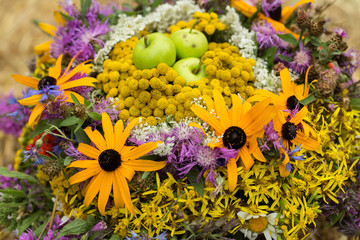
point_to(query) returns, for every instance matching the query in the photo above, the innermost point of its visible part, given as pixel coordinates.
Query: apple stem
(146, 41)
(197, 69)
(192, 27)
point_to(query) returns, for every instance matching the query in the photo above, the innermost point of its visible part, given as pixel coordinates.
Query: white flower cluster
(243, 39)
(160, 20)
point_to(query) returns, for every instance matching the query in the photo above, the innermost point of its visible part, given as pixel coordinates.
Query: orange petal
(287, 11)
(86, 81)
(42, 47)
(221, 109)
(279, 120)
(33, 100)
(286, 84)
(84, 163)
(88, 150)
(258, 155)
(96, 137)
(232, 174)
(237, 110)
(125, 192)
(105, 191)
(246, 158)
(27, 81)
(36, 112)
(84, 175)
(56, 70)
(307, 143)
(299, 116)
(119, 202)
(67, 95)
(282, 165)
(128, 173)
(124, 135)
(93, 188)
(243, 7)
(48, 28)
(80, 68)
(208, 118)
(108, 131)
(140, 151)
(209, 102)
(119, 127)
(144, 165)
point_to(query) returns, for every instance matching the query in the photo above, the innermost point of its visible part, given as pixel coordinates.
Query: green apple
(152, 50)
(189, 43)
(190, 68)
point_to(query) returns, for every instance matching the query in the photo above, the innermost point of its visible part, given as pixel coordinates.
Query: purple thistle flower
(14, 116)
(350, 66)
(266, 36)
(302, 60)
(271, 137)
(73, 152)
(104, 106)
(9, 182)
(269, 6)
(53, 109)
(99, 226)
(341, 32)
(28, 235)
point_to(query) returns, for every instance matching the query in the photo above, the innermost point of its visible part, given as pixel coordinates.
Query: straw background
(18, 35)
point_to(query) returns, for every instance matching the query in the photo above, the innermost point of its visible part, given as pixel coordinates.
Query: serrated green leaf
(285, 58)
(82, 137)
(29, 220)
(70, 121)
(355, 103)
(13, 192)
(309, 99)
(198, 186)
(95, 116)
(288, 38)
(15, 174)
(73, 97)
(76, 227)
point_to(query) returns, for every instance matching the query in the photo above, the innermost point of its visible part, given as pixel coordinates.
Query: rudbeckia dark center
(109, 160)
(46, 81)
(234, 138)
(292, 102)
(276, 14)
(288, 131)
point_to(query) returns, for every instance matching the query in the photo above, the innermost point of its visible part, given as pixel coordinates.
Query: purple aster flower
(14, 116)
(28, 235)
(105, 106)
(271, 136)
(266, 36)
(350, 66)
(99, 226)
(341, 32)
(73, 152)
(54, 110)
(9, 182)
(269, 6)
(302, 60)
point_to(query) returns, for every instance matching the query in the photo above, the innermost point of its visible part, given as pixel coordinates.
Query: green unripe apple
(189, 43)
(190, 68)
(152, 50)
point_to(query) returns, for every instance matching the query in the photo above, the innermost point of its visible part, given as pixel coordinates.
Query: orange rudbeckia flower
(239, 127)
(286, 12)
(112, 164)
(56, 84)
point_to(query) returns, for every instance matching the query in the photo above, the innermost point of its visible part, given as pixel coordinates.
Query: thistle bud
(81, 111)
(317, 27)
(278, 67)
(343, 46)
(328, 81)
(51, 168)
(65, 110)
(303, 20)
(39, 143)
(333, 47)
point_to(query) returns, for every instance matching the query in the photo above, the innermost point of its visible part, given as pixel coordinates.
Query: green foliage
(198, 185)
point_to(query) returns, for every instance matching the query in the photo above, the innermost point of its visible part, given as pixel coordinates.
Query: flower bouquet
(184, 120)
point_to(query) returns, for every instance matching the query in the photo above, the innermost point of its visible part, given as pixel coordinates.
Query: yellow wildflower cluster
(204, 22)
(42, 65)
(227, 71)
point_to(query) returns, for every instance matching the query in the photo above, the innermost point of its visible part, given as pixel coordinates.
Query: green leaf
(145, 175)
(309, 99)
(29, 220)
(355, 103)
(40, 128)
(67, 161)
(269, 55)
(114, 237)
(191, 176)
(76, 227)
(85, 5)
(87, 103)
(13, 192)
(288, 38)
(15, 174)
(73, 97)
(38, 230)
(285, 58)
(70, 121)
(12, 205)
(82, 137)
(316, 42)
(66, 17)
(307, 39)
(81, 122)
(152, 157)
(95, 116)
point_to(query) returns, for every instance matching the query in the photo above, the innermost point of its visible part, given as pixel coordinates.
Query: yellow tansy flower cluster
(207, 23)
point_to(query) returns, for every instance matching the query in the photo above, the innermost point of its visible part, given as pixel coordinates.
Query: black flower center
(292, 102)
(109, 160)
(46, 81)
(288, 131)
(276, 14)
(234, 138)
